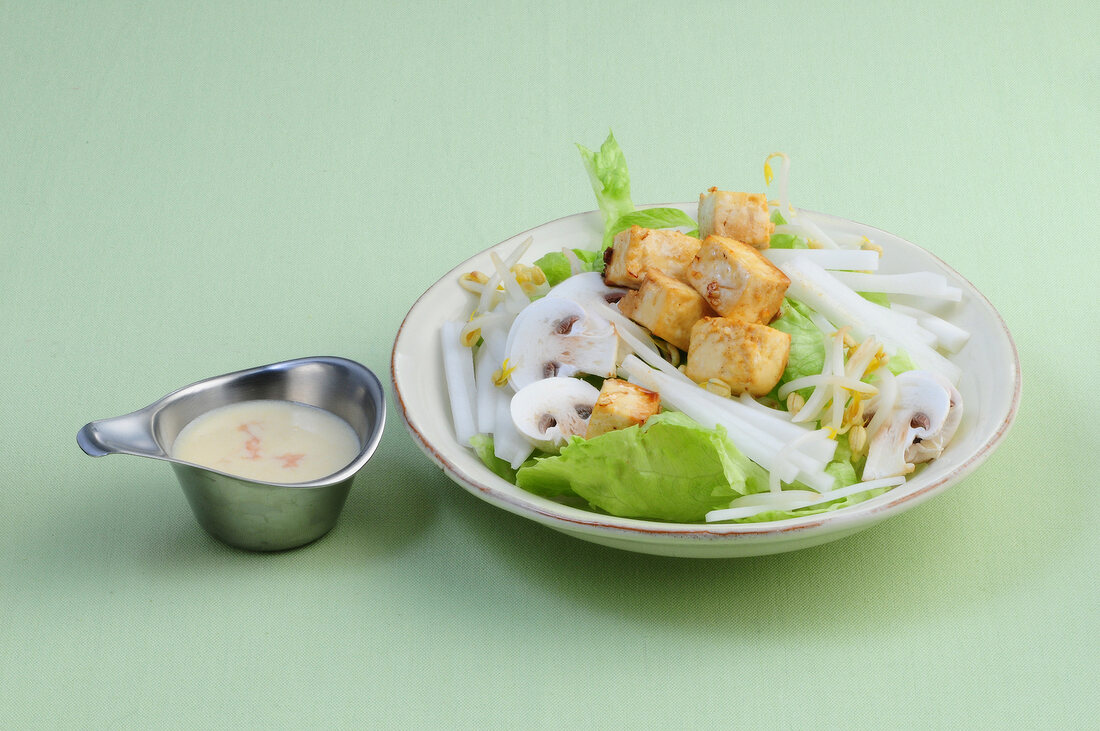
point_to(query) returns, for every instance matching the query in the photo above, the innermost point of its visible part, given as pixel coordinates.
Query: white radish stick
(490, 358)
(923, 284)
(948, 335)
(508, 443)
(458, 369)
(821, 291)
(857, 260)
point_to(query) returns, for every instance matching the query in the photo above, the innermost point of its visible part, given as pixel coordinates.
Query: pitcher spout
(128, 434)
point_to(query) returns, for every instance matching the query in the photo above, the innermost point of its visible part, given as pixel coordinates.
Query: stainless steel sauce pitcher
(251, 514)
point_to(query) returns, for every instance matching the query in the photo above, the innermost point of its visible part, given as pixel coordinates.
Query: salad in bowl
(726, 369)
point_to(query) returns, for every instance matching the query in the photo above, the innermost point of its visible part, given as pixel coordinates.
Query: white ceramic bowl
(990, 387)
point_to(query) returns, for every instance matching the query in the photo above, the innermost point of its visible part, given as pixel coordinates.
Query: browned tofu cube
(638, 249)
(737, 280)
(746, 356)
(620, 405)
(666, 306)
(741, 216)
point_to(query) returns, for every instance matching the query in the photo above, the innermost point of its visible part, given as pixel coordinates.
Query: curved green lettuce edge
(669, 469)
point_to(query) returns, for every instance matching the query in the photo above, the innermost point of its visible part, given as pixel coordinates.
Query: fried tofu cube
(638, 249)
(741, 216)
(666, 306)
(737, 280)
(621, 404)
(746, 356)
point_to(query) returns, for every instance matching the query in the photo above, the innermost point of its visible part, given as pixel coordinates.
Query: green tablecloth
(194, 188)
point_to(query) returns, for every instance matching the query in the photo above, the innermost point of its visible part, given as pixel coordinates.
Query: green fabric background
(189, 189)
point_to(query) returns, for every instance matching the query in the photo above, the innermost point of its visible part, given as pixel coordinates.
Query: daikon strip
(949, 335)
(923, 284)
(821, 291)
(508, 443)
(790, 448)
(852, 241)
(688, 398)
(458, 370)
(927, 336)
(778, 424)
(490, 358)
(833, 259)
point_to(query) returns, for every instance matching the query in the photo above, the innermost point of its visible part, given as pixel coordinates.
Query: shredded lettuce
(610, 182)
(670, 469)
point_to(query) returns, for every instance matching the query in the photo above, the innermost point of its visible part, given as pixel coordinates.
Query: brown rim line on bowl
(992, 404)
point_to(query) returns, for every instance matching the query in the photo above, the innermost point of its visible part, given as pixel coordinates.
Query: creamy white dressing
(268, 440)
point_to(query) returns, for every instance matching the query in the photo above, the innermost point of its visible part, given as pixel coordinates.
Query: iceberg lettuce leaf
(649, 218)
(610, 181)
(670, 469)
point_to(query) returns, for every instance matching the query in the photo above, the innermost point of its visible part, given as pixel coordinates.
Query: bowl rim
(555, 514)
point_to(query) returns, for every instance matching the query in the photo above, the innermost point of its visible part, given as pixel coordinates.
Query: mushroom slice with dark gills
(600, 299)
(550, 410)
(582, 287)
(555, 337)
(922, 420)
(929, 448)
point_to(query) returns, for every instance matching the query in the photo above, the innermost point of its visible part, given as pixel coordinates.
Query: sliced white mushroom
(928, 449)
(589, 284)
(550, 410)
(554, 336)
(919, 413)
(602, 301)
